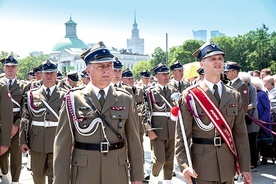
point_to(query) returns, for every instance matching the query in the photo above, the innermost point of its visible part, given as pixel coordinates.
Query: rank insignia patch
(119, 108)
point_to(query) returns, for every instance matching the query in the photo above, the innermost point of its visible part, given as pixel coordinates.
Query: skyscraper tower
(135, 44)
(200, 35)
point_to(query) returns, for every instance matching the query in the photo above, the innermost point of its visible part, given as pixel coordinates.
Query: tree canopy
(27, 64)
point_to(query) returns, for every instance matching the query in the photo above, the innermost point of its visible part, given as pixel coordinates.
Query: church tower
(71, 29)
(135, 44)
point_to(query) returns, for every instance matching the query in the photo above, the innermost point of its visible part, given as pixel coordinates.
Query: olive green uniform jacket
(6, 115)
(41, 138)
(214, 163)
(244, 91)
(73, 165)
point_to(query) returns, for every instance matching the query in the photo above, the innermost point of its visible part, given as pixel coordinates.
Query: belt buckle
(104, 147)
(217, 141)
(46, 123)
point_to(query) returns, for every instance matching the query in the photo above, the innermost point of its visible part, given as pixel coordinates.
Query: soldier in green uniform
(141, 105)
(96, 139)
(59, 76)
(37, 72)
(36, 82)
(145, 78)
(160, 129)
(6, 124)
(127, 77)
(231, 70)
(177, 74)
(214, 123)
(72, 79)
(116, 80)
(17, 90)
(39, 122)
(31, 75)
(85, 78)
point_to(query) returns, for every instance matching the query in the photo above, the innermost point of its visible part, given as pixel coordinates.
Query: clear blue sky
(35, 25)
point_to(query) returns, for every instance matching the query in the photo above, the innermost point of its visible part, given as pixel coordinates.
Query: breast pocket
(117, 115)
(232, 111)
(119, 119)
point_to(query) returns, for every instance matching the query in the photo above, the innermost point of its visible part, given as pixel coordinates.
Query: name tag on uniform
(118, 108)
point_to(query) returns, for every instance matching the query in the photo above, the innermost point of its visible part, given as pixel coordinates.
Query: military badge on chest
(87, 114)
(118, 113)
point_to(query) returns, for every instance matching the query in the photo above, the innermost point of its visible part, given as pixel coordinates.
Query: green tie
(216, 93)
(165, 90)
(10, 84)
(102, 99)
(48, 93)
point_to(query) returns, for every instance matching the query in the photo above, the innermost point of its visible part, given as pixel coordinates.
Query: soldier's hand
(14, 130)
(136, 182)
(188, 174)
(152, 135)
(24, 148)
(3, 149)
(247, 177)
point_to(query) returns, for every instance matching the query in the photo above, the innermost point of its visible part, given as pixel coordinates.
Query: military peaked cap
(73, 76)
(230, 65)
(200, 71)
(145, 74)
(127, 73)
(160, 68)
(208, 49)
(84, 74)
(97, 54)
(176, 66)
(48, 66)
(117, 64)
(9, 60)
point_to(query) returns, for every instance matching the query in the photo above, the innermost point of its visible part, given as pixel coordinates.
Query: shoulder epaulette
(124, 84)
(34, 89)
(122, 90)
(77, 88)
(61, 89)
(149, 88)
(231, 87)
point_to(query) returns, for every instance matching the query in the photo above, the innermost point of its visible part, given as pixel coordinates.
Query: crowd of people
(75, 130)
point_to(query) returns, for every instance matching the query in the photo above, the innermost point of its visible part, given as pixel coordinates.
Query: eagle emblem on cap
(10, 57)
(48, 63)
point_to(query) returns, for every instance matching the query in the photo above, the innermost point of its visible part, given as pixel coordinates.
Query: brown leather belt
(216, 141)
(102, 147)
